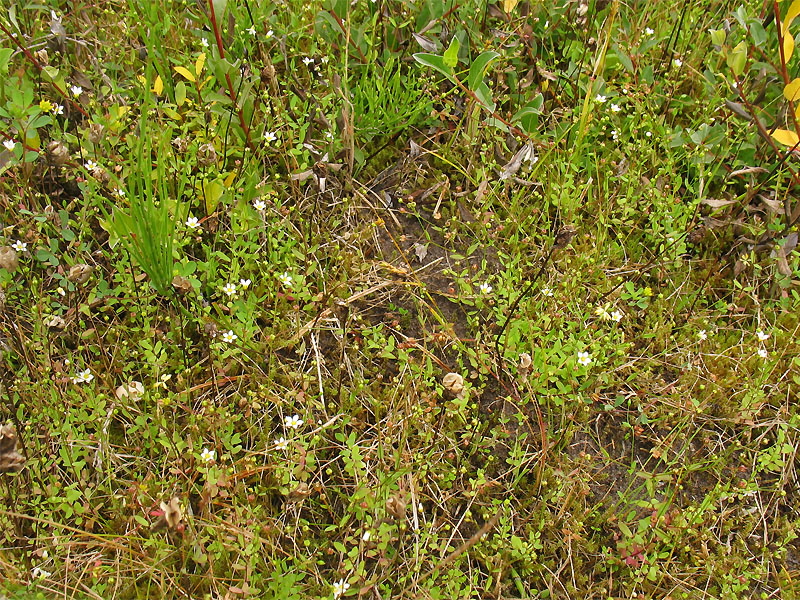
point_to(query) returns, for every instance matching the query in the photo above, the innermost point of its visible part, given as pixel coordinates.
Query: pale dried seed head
(453, 383)
(8, 259)
(80, 273)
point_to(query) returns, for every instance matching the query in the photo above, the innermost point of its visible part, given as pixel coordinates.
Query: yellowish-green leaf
(198, 65)
(788, 47)
(792, 90)
(212, 192)
(172, 114)
(33, 141)
(230, 179)
(180, 93)
(793, 11)
(737, 58)
(785, 137)
(186, 73)
(509, 5)
(158, 86)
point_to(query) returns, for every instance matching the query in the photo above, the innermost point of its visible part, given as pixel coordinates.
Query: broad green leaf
(180, 93)
(186, 73)
(451, 54)
(737, 58)
(484, 96)
(212, 192)
(624, 59)
(478, 68)
(219, 10)
(791, 14)
(717, 37)
(785, 137)
(436, 62)
(792, 90)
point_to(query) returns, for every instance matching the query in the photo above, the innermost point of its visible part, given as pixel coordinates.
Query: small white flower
(485, 288)
(19, 246)
(677, 62)
(76, 90)
(648, 133)
(38, 573)
(340, 587)
(270, 33)
(119, 193)
(600, 98)
(281, 444)
(90, 165)
(259, 205)
(251, 30)
(324, 60)
(307, 60)
(58, 109)
(763, 337)
(702, 335)
(229, 337)
(61, 291)
(648, 31)
(204, 41)
(207, 455)
(584, 358)
(83, 376)
(367, 536)
(616, 316)
(270, 136)
(329, 135)
(615, 108)
(285, 279)
(9, 145)
(245, 283)
(614, 134)
(762, 352)
(229, 289)
(547, 291)
(293, 422)
(192, 222)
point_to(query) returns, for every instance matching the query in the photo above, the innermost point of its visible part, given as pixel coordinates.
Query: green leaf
(478, 68)
(451, 54)
(436, 62)
(718, 37)
(737, 58)
(484, 96)
(624, 59)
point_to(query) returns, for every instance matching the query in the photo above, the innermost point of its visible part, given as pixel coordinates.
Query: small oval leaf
(785, 137)
(792, 90)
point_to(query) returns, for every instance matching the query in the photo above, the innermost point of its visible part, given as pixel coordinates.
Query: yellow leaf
(792, 90)
(785, 137)
(198, 66)
(229, 179)
(793, 11)
(33, 141)
(158, 86)
(788, 47)
(186, 73)
(509, 5)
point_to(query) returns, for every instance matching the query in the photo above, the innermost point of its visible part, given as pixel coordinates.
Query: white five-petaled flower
(615, 108)
(229, 289)
(293, 422)
(119, 192)
(648, 133)
(677, 62)
(83, 376)
(19, 246)
(270, 33)
(76, 90)
(38, 573)
(762, 352)
(90, 165)
(614, 134)
(616, 316)
(648, 31)
(367, 535)
(285, 279)
(204, 41)
(340, 587)
(192, 222)
(58, 109)
(245, 283)
(9, 145)
(547, 291)
(281, 443)
(763, 337)
(251, 30)
(270, 136)
(207, 455)
(486, 288)
(584, 358)
(702, 335)
(600, 98)
(229, 337)
(259, 205)
(307, 60)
